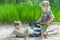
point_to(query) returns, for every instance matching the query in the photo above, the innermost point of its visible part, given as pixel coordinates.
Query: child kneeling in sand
(18, 30)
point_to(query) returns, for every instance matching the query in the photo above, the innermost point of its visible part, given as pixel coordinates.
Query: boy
(18, 31)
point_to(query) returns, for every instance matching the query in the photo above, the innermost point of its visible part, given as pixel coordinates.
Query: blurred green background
(25, 10)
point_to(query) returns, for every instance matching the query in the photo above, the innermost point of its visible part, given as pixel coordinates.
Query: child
(18, 30)
(46, 18)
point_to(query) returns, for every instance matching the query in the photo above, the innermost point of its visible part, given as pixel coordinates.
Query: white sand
(6, 30)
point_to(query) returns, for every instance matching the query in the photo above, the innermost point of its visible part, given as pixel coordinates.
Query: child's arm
(38, 21)
(51, 19)
(13, 35)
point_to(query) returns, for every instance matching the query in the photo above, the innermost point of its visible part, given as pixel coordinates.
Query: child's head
(45, 4)
(17, 24)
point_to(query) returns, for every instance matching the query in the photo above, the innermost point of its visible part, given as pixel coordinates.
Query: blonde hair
(46, 3)
(17, 23)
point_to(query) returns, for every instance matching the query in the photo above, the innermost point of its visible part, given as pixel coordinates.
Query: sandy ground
(6, 30)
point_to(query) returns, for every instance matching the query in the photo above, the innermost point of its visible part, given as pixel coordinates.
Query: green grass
(56, 12)
(9, 13)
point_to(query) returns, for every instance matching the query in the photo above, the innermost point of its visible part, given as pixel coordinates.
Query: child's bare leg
(52, 30)
(42, 35)
(46, 33)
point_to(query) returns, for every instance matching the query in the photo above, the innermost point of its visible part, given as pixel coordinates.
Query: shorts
(44, 27)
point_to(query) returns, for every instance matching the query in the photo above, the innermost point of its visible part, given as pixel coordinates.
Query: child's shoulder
(23, 28)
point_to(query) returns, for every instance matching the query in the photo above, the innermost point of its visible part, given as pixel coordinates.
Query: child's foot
(45, 36)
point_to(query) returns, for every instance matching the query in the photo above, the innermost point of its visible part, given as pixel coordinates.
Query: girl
(46, 17)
